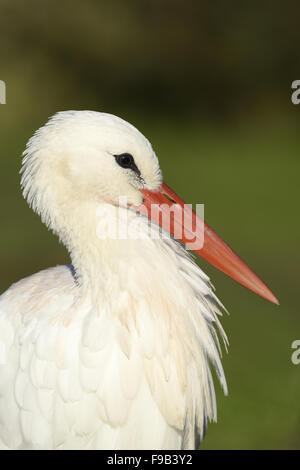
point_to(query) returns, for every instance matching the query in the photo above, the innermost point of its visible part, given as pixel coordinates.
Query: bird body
(114, 350)
(119, 372)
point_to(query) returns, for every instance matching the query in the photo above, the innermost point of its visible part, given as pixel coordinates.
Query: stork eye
(125, 160)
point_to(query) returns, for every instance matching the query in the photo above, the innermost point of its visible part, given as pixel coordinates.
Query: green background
(209, 83)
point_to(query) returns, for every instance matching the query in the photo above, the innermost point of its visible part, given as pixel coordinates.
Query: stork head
(85, 158)
(86, 155)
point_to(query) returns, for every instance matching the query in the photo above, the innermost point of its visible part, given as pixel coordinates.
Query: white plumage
(113, 351)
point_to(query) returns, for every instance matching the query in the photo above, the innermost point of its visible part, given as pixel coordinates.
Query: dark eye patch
(126, 160)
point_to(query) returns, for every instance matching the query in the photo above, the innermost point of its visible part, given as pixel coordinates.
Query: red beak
(169, 211)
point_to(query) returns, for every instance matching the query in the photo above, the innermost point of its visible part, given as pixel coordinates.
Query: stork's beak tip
(274, 300)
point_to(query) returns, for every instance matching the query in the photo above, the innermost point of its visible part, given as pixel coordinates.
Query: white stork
(113, 351)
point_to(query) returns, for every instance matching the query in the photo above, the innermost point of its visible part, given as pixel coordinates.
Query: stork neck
(100, 254)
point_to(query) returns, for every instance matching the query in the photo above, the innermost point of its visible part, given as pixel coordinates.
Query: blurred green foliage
(209, 83)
